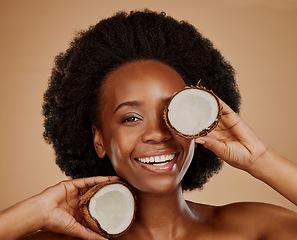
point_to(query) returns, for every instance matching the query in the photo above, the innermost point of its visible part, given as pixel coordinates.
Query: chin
(158, 185)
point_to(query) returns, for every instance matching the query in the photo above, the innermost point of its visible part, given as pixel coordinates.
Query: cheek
(190, 154)
(188, 146)
(120, 148)
(189, 150)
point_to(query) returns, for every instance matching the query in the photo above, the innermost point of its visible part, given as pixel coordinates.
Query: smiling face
(133, 134)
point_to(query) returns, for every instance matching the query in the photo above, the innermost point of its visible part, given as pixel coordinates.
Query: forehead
(141, 78)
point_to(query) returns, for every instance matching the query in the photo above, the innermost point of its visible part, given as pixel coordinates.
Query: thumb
(220, 148)
(228, 151)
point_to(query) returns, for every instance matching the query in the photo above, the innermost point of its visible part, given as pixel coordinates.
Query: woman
(103, 115)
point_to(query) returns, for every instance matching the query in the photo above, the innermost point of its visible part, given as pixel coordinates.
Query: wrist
(269, 167)
(31, 218)
(23, 218)
(39, 217)
(277, 172)
(260, 167)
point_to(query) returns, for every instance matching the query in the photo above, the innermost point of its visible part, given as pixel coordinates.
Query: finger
(233, 123)
(220, 148)
(229, 117)
(232, 152)
(220, 134)
(82, 183)
(225, 108)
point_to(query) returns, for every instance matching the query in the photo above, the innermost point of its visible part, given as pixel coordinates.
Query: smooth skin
(54, 211)
(133, 128)
(135, 95)
(237, 144)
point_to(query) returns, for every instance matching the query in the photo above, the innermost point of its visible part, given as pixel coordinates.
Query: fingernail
(200, 141)
(114, 178)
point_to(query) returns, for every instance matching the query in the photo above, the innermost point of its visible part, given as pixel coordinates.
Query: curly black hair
(73, 93)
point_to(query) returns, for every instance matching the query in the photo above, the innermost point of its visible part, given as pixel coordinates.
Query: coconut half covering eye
(193, 112)
(109, 208)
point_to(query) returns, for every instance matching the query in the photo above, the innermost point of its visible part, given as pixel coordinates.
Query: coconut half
(109, 208)
(193, 112)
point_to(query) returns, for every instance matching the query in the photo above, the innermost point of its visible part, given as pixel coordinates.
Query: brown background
(259, 37)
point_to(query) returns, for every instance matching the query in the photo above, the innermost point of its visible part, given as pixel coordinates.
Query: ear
(98, 142)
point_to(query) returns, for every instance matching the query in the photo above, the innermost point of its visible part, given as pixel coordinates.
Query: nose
(156, 130)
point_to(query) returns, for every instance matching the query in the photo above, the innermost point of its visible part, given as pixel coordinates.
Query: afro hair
(74, 88)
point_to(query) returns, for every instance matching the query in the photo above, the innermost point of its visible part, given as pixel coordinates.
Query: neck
(161, 215)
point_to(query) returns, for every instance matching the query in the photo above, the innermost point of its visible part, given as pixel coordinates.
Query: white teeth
(160, 160)
(160, 164)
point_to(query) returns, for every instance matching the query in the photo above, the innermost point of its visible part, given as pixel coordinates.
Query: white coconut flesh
(192, 110)
(113, 207)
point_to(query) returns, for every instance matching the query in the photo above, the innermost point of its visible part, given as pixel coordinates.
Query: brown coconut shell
(92, 222)
(205, 131)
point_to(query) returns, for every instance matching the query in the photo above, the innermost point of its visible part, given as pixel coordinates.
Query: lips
(159, 163)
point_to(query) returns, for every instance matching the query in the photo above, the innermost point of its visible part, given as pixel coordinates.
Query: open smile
(158, 164)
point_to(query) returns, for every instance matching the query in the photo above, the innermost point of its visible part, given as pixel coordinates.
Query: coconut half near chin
(108, 208)
(193, 112)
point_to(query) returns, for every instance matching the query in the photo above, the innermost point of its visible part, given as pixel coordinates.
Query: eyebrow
(137, 103)
(128, 103)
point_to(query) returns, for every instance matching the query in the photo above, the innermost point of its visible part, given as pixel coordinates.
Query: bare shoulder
(253, 220)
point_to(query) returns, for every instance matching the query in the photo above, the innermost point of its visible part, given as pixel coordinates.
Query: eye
(130, 119)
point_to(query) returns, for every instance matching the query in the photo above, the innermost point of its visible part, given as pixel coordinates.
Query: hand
(233, 141)
(60, 208)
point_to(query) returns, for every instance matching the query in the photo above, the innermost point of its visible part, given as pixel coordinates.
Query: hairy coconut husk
(207, 128)
(92, 222)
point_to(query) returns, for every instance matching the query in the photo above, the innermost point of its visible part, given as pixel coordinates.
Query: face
(133, 134)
